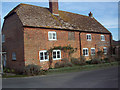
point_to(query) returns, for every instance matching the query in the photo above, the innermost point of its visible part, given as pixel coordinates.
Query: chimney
(53, 7)
(90, 15)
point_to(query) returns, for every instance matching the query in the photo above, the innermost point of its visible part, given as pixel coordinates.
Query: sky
(105, 12)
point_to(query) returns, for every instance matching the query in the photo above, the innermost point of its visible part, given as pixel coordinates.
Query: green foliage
(63, 64)
(8, 70)
(96, 61)
(32, 70)
(80, 61)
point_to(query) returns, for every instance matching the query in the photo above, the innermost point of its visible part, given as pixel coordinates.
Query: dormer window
(88, 37)
(52, 35)
(102, 38)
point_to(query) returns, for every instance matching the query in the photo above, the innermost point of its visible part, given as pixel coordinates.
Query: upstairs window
(105, 50)
(88, 37)
(102, 38)
(52, 35)
(43, 55)
(3, 38)
(13, 56)
(85, 51)
(56, 54)
(92, 51)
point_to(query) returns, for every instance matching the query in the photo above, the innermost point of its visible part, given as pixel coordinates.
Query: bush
(75, 61)
(89, 62)
(32, 70)
(8, 70)
(57, 65)
(63, 64)
(96, 61)
(80, 61)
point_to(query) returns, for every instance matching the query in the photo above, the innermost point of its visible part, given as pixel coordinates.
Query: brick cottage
(29, 31)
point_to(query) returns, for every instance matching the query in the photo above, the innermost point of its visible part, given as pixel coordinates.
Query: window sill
(57, 59)
(85, 55)
(53, 40)
(89, 40)
(43, 60)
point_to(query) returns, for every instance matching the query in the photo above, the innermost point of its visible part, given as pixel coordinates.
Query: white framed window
(88, 37)
(43, 55)
(104, 50)
(3, 38)
(52, 35)
(85, 52)
(13, 56)
(56, 54)
(102, 38)
(92, 51)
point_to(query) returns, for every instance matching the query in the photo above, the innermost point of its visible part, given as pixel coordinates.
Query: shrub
(8, 70)
(65, 60)
(89, 62)
(82, 60)
(106, 60)
(63, 64)
(75, 61)
(57, 65)
(96, 61)
(32, 70)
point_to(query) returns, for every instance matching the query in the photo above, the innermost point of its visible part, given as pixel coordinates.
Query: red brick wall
(36, 39)
(95, 42)
(13, 32)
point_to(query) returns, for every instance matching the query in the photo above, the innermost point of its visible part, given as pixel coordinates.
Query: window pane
(41, 56)
(54, 54)
(50, 35)
(46, 55)
(14, 56)
(54, 36)
(93, 51)
(84, 52)
(58, 54)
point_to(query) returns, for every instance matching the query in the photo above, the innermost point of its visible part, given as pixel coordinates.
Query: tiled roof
(36, 16)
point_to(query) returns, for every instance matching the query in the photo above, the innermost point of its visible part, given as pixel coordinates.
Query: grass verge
(75, 68)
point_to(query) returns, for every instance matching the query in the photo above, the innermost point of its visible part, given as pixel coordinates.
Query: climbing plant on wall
(68, 49)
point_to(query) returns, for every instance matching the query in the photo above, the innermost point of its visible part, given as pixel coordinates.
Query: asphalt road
(102, 78)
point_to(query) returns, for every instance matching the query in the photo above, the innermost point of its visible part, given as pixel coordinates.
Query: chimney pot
(90, 15)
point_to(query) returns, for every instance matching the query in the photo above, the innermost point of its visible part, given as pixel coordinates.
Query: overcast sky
(105, 12)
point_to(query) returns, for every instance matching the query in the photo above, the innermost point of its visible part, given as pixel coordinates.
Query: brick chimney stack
(53, 7)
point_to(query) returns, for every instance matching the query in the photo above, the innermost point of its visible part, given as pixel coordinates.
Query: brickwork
(36, 40)
(95, 42)
(13, 32)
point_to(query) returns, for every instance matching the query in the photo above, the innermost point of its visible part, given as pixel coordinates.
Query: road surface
(102, 78)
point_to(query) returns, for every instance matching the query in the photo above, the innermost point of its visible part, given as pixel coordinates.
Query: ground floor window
(92, 51)
(85, 51)
(44, 55)
(104, 50)
(56, 54)
(13, 56)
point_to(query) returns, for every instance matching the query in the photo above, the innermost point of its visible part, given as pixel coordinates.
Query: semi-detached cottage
(29, 31)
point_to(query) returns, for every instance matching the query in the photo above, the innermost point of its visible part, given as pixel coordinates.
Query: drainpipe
(80, 44)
